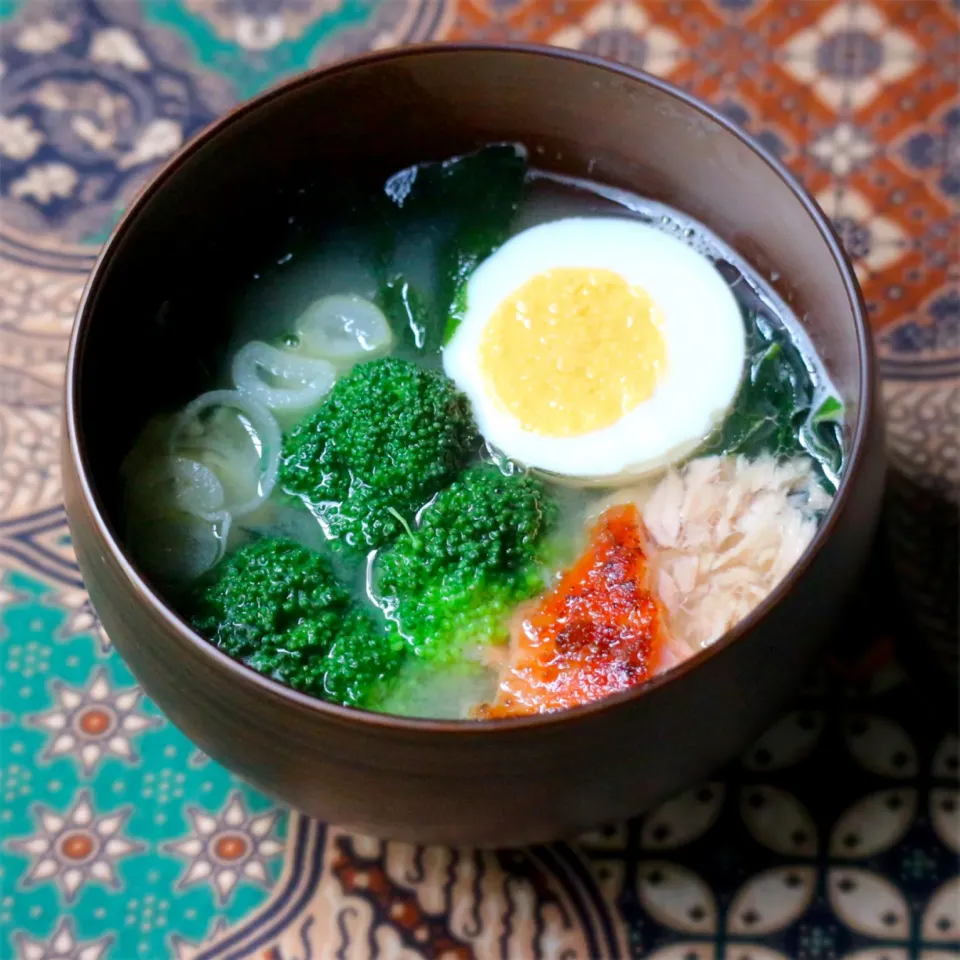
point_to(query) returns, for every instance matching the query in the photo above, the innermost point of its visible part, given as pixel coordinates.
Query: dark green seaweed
(473, 199)
(405, 308)
(822, 437)
(773, 412)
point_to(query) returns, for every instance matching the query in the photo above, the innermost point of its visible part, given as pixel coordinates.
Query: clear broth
(283, 286)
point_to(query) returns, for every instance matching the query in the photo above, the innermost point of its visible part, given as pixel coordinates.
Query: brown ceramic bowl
(151, 314)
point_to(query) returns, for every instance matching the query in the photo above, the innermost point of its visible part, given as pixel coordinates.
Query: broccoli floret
(361, 661)
(387, 438)
(278, 607)
(455, 581)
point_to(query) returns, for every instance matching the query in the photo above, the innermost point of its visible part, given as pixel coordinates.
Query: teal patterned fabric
(836, 835)
(87, 761)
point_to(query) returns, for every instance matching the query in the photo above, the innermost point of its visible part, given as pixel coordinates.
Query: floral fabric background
(836, 835)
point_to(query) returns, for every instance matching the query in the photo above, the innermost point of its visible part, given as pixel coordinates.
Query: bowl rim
(351, 716)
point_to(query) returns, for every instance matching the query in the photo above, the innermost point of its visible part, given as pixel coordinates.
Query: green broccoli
(456, 580)
(277, 606)
(387, 438)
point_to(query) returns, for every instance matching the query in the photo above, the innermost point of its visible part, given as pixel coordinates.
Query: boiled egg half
(597, 348)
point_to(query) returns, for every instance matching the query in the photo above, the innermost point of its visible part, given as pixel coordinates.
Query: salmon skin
(598, 631)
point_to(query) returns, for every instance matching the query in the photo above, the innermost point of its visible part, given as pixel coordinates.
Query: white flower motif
(946, 760)
(771, 900)
(679, 899)
(261, 26)
(80, 615)
(941, 919)
(776, 819)
(863, 900)
(158, 139)
(791, 739)
(92, 112)
(19, 139)
(682, 819)
(231, 845)
(62, 945)
(873, 907)
(868, 903)
(114, 45)
(850, 54)
(42, 37)
(873, 241)
(604, 839)
(945, 816)
(843, 149)
(45, 182)
(259, 33)
(676, 897)
(93, 723)
(623, 31)
(54, 96)
(101, 138)
(184, 949)
(881, 746)
(874, 823)
(76, 847)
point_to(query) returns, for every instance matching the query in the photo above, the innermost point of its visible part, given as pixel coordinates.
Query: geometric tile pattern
(836, 835)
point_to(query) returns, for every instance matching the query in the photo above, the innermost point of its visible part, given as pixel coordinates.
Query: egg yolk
(573, 350)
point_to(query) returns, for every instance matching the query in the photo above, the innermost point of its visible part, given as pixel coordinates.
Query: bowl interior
(158, 312)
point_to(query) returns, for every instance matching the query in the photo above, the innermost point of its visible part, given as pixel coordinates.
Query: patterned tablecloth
(836, 835)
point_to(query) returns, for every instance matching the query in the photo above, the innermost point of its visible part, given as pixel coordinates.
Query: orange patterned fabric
(835, 836)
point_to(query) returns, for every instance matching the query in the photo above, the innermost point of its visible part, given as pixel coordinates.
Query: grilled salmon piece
(598, 631)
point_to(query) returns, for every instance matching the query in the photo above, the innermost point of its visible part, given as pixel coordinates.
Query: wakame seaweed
(773, 412)
(406, 310)
(822, 437)
(474, 197)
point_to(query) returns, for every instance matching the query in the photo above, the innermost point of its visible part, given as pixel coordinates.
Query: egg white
(702, 328)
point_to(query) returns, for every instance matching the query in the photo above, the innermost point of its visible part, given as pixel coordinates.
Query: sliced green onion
(283, 382)
(238, 439)
(175, 483)
(177, 547)
(344, 328)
